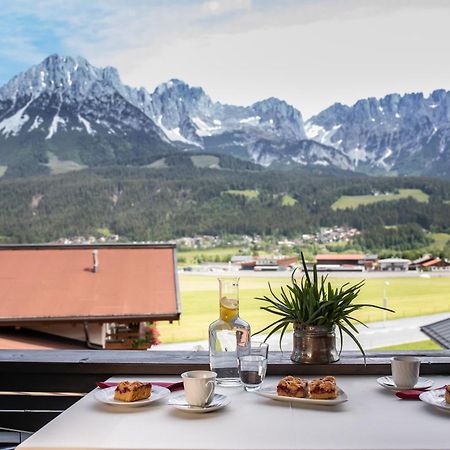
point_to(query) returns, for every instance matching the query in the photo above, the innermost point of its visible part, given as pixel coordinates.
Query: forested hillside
(181, 199)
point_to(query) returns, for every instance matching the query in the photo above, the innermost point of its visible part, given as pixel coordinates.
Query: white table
(373, 418)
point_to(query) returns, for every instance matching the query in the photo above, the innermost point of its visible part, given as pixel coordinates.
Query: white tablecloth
(373, 418)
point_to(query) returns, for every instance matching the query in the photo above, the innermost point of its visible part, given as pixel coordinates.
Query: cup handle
(211, 384)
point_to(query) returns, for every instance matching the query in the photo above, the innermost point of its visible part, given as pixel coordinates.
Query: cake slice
(292, 387)
(323, 388)
(132, 391)
(447, 393)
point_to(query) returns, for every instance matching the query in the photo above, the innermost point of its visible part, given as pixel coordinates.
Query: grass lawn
(353, 201)
(199, 300)
(58, 166)
(158, 164)
(421, 345)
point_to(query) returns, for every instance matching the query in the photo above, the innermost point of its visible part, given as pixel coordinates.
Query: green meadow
(199, 299)
(188, 257)
(353, 201)
(420, 345)
(288, 200)
(247, 193)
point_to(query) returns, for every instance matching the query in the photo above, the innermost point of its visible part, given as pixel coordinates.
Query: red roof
(340, 257)
(58, 283)
(435, 262)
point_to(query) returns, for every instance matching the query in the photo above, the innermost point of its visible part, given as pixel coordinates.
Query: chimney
(96, 265)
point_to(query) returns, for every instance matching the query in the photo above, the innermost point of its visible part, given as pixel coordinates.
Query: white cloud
(226, 6)
(308, 52)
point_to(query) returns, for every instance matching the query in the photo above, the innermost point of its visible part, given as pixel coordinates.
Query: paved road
(379, 334)
(222, 270)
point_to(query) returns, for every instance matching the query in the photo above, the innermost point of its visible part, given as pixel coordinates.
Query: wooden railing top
(175, 362)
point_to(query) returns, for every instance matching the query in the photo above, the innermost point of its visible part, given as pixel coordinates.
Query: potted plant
(316, 310)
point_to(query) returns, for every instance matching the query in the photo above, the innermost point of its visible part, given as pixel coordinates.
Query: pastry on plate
(329, 378)
(292, 387)
(127, 391)
(323, 388)
(447, 393)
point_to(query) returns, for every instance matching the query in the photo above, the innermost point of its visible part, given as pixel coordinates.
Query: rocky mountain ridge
(396, 134)
(65, 109)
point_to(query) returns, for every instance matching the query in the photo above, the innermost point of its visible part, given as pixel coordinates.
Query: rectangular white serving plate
(271, 392)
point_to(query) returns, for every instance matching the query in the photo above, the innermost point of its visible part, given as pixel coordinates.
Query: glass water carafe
(229, 336)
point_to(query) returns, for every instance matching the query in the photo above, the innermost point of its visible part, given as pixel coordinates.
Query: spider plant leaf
(342, 340)
(354, 340)
(305, 269)
(282, 334)
(350, 325)
(278, 327)
(269, 326)
(273, 311)
(359, 321)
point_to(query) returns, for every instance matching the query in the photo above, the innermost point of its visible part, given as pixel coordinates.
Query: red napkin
(171, 386)
(412, 394)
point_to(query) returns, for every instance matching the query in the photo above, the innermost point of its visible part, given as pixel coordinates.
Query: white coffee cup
(199, 387)
(405, 371)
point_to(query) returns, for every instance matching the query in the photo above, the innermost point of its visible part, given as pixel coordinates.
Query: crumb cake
(292, 387)
(447, 393)
(132, 391)
(323, 388)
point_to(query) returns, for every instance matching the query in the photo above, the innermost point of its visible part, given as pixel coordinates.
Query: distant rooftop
(340, 257)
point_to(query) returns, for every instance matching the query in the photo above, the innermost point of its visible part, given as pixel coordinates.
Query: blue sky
(310, 53)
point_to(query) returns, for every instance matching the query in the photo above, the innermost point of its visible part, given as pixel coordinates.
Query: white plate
(271, 392)
(107, 396)
(435, 398)
(388, 383)
(218, 402)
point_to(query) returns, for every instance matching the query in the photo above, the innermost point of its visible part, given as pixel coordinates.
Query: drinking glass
(253, 366)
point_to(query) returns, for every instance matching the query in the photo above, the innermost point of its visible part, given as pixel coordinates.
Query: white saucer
(107, 396)
(218, 402)
(388, 383)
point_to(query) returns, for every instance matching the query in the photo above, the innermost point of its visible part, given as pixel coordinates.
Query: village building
(394, 264)
(269, 263)
(436, 264)
(340, 262)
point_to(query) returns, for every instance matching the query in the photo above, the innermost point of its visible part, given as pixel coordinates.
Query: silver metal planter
(314, 344)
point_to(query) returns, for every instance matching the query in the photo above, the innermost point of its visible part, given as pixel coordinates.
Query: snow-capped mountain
(395, 134)
(85, 114)
(76, 112)
(65, 113)
(186, 114)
